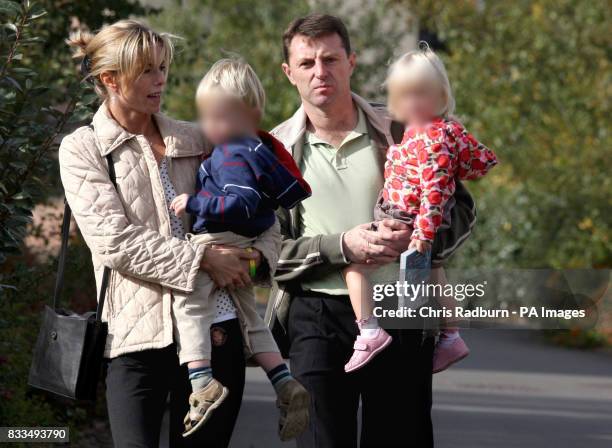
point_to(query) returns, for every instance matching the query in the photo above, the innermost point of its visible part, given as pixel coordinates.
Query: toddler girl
(420, 175)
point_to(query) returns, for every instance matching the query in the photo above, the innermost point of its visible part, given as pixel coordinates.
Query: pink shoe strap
(362, 346)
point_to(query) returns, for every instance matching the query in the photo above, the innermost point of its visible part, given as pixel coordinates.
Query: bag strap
(61, 264)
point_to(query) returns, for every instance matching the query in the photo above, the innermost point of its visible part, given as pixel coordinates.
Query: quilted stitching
(127, 229)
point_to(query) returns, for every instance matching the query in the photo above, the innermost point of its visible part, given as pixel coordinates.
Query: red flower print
(423, 223)
(413, 198)
(433, 133)
(434, 197)
(430, 158)
(437, 220)
(443, 161)
(478, 165)
(422, 156)
(414, 180)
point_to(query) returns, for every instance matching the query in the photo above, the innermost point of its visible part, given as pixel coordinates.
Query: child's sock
(368, 327)
(200, 377)
(278, 376)
(448, 336)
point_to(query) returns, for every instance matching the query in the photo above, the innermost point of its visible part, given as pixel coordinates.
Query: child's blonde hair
(236, 78)
(417, 67)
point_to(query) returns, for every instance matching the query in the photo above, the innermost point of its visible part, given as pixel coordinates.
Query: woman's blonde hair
(125, 47)
(235, 78)
(419, 67)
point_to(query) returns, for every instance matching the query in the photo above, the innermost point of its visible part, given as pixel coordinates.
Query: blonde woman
(130, 230)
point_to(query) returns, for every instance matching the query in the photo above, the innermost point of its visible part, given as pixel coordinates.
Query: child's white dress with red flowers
(420, 172)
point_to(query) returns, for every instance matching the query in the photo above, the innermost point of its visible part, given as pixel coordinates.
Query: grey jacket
(306, 257)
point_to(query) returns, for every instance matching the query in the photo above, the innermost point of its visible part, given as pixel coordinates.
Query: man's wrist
(347, 261)
(330, 247)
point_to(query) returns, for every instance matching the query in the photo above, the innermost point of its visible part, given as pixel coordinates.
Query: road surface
(513, 391)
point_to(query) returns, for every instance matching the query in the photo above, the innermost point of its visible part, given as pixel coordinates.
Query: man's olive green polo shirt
(345, 182)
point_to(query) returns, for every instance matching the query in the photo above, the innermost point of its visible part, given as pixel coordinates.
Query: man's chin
(321, 100)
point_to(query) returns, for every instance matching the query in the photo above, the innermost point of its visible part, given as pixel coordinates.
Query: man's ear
(287, 72)
(352, 59)
(110, 81)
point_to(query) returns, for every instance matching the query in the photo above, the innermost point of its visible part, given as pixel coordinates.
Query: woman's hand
(229, 266)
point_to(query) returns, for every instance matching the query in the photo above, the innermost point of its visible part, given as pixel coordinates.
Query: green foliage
(28, 126)
(532, 80)
(40, 99)
(210, 32)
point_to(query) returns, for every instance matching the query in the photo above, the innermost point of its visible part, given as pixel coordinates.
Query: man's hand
(421, 246)
(179, 204)
(362, 245)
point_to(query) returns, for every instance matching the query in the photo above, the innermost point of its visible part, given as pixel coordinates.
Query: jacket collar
(180, 140)
(295, 127)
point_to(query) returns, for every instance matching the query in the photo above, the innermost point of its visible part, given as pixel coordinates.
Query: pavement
(514, 390)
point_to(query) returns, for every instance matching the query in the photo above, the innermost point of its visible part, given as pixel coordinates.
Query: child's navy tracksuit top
(241, 183)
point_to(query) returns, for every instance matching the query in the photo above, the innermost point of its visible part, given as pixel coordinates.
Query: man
(338, 139)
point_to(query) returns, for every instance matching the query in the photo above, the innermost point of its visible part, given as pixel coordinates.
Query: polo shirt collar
(361, 128)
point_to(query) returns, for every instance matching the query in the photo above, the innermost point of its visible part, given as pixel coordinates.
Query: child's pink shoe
(366, 349)
(448, 353)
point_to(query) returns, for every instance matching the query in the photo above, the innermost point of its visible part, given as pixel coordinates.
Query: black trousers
(138, 385)
(395, 387)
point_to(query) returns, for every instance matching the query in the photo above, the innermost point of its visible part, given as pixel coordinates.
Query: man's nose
(320, 69)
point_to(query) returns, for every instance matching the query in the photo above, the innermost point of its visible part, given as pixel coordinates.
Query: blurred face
(223, 118)
(416, 105)
(319, 68)
(142, 94)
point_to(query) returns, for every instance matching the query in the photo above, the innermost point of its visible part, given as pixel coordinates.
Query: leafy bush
(29, 126)
(532, 80)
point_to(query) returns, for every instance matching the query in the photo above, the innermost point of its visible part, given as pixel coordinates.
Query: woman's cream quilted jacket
(128, 228)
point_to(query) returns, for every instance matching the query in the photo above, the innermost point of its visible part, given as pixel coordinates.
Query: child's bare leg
(372, 338)
(438, 277)
(358, 285)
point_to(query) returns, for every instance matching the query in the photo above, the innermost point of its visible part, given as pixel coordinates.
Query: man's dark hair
(316, 25)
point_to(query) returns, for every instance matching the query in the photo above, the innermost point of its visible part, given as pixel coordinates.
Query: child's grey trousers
(192, 314)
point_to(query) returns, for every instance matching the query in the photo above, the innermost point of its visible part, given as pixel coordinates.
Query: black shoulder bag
(69, 351)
